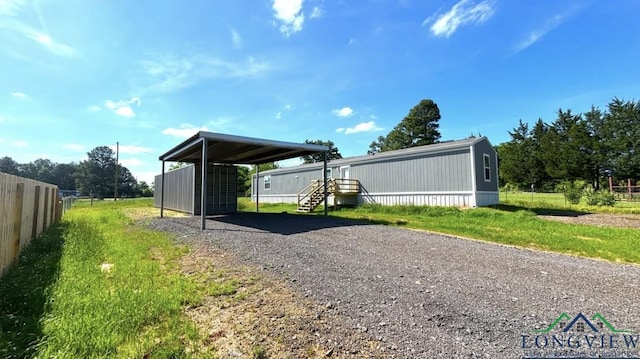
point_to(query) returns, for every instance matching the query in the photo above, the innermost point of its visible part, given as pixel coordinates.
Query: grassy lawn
(506, 224)
(95, 285)
(557, 201)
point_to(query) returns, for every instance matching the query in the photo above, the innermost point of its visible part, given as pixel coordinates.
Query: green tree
(418, 128)
(621, 133)
(567, 148)
(332, 154)
(244, 179)
(8, 165)
(96, 175)
(63, 175)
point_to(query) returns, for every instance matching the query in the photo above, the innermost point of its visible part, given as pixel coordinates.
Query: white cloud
(54, 47)
(10, 7)
(343, 112)
(289, 13)
(465, 12)
(74, 147)
(131, 162)
(123, 108)
(185, 130)
(131, 149)
(278, 115)
(94, 108)
(288, 107)
(316, 13)
(174, 74)
(20, 144)
(19, 95)
(361, 127)
(236, 39)
(537, 34)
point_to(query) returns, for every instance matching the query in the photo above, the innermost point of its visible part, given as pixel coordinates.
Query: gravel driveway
(424, 295)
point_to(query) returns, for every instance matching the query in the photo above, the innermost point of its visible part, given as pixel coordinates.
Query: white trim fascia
(474, 186)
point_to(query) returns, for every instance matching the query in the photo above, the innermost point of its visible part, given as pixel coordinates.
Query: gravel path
(424, 295)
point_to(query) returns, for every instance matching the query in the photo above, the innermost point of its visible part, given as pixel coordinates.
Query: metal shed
(222, 151)
(460, 173)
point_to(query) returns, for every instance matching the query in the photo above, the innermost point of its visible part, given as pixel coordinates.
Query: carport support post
(324, 177)
(257, 187)
(162, 192)
(203, 187)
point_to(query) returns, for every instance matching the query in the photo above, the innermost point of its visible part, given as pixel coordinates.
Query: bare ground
(598, 219)
(266, 316)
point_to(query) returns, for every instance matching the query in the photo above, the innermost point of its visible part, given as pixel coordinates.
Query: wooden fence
(27, 208)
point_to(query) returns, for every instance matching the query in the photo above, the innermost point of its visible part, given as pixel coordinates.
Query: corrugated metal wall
(222, 189)
(178, 194)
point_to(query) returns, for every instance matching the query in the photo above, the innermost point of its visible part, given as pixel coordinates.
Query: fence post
(36, 210)
(17, 222)
(629, 189)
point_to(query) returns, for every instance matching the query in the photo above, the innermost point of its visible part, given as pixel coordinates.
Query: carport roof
(231, 149)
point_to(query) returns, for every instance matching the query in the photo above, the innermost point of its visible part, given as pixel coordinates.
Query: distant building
(458, 173)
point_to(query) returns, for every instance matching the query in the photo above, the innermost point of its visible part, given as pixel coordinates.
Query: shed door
(344, 172)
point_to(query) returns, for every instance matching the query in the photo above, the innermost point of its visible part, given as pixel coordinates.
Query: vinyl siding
(481, 148)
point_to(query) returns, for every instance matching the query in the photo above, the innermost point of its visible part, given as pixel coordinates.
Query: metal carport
(211, 147)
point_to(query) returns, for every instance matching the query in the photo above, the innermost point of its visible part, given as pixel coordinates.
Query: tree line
(94, 176)
(587, 147)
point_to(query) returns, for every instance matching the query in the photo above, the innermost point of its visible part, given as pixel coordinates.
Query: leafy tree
(567, 148)
(8, 165)
(177, 165)
(418, 128)
(244, 179)
(63, 175)
(143, 190)
(39, 170)
(621, 133)
(127, 183)
(332, 154)
(96, 174)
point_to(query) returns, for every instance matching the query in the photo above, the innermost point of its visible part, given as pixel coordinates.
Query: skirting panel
(442, 200)
(487, 198)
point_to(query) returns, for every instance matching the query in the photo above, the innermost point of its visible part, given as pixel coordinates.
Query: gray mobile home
(458, 173)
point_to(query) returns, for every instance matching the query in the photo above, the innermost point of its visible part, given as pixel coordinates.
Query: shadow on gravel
(282, 223)
(542, 211)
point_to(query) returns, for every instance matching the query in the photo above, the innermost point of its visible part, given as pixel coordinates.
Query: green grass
(96, 285)
(506, 224)
(557, 201)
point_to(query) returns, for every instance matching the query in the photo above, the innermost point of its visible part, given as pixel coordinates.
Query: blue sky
(77, 74)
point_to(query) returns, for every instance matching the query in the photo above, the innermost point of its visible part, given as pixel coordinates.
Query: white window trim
(264, 183)
(485, 157)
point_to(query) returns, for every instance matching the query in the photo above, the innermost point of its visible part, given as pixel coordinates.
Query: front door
(344, 172)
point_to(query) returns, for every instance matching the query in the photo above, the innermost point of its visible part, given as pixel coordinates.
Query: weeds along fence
(27, 208)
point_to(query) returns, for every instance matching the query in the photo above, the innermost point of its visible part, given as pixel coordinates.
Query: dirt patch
(599, 219)
(264, 317)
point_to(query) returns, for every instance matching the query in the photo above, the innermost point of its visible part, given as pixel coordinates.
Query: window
(267, 183)
(487, 168)
(329, 173)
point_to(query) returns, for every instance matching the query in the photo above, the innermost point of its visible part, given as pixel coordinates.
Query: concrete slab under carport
(210, 147)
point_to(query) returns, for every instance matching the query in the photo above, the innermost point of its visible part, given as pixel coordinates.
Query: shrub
(598, 198)
(573, 194)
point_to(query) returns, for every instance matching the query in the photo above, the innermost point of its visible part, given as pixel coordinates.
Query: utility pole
(115, 190)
